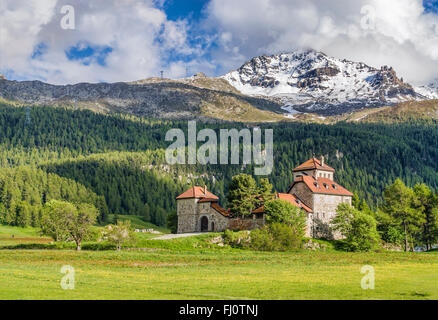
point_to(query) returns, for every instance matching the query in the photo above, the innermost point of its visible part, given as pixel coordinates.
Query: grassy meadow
(193, 268)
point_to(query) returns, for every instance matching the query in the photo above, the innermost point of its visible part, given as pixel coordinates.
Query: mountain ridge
(304, 84)
(196, 97)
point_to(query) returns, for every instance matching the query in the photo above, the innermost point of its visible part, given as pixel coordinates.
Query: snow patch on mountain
(429, 91)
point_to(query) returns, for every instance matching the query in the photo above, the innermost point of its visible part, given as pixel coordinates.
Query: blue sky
(181, 9)
(115, 41)
(431, 5)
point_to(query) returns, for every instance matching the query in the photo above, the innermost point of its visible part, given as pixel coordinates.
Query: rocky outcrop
(314, 77)
(264, 82)
(389, 85)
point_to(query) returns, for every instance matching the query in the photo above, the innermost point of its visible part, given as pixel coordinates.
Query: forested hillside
(117, 162)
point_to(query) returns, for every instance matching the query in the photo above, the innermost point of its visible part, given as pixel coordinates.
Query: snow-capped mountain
(429, 91)
(310, 81)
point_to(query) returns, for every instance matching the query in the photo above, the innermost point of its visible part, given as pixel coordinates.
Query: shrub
(286, 237)
(359, 229)
(236, 239)
(273, 237)
(276, 237)
(283, 212)
(262, 240)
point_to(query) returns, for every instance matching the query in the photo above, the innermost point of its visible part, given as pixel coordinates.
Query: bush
(276, 237)
(358, 228)
(262, 240)
(236, 239)
(284, 212)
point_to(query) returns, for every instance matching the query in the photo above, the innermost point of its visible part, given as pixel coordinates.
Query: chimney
(205, 189)
(322, 161)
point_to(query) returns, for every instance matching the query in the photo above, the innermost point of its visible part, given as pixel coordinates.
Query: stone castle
(313, 190)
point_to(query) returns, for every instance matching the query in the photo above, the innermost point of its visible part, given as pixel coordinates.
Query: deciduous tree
(358, 228)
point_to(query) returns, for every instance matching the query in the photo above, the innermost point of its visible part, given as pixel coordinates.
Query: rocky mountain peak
(200, 75)
(311, 81)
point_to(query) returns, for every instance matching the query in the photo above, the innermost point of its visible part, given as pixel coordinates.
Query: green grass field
(215, 274)
(189, 269)
(138, 223)
(10, 236)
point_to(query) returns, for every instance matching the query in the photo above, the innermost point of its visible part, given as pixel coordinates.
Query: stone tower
(314, 185)
(198, 211)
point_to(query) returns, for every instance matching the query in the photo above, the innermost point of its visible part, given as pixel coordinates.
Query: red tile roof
(221, 210)
(294, 200)
(313, 164)
(289, 198)
(197, 193)
(322, 186)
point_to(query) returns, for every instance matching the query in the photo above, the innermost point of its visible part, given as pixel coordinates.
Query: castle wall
(249, 223)
(190, 213)
(220, 222)
(324, 210)
(187, 215)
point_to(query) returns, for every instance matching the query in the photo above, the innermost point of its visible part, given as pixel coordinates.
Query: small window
(334, 186)
(326, 185)
(316, 184)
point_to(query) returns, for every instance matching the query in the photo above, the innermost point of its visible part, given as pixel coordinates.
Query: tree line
(408, 217)
(120, 159)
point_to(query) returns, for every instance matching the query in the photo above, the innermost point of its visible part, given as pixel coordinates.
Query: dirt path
(176, 236)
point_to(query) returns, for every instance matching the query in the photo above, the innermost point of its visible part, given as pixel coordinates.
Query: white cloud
(143, 40)
(138, 32)
(403, 35)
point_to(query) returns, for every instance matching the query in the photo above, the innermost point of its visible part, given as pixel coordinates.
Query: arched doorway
(204, 224)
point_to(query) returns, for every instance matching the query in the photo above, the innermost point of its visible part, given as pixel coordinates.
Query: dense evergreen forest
(117, 162)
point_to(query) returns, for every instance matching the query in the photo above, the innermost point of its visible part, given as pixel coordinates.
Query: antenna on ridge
(162, 74)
